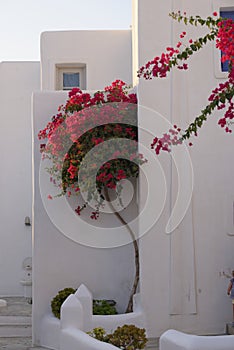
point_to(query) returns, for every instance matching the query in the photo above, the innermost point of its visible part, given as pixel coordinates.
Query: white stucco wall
(104, 56)
(182, 280)
(107, 55)
(17, 81)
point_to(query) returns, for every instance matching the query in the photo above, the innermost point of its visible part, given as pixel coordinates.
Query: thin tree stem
(136, 250)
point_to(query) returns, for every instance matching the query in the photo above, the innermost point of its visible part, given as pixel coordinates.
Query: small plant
(127, 337)
(104, 307)
(100, 307)
(58, 300)
(98, 333)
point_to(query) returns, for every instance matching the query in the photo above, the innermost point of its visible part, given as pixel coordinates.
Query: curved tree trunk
(136, 250)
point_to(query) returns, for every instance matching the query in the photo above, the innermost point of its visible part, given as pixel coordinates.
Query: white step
(152, 344)
(15, 326)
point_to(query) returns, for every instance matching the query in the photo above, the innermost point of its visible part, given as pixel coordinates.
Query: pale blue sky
(22, 21)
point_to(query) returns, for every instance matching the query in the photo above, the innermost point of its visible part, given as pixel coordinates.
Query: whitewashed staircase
(15, 326)
(15, 318)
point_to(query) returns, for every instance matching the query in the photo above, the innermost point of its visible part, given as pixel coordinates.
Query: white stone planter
(76, 319)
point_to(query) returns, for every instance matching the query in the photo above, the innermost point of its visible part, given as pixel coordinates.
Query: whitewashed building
(182, 272)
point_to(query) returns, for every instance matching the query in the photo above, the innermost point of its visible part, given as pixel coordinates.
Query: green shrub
(58, 300)
(98, 333)
(103, 307)
(127, 337)
(100, 307)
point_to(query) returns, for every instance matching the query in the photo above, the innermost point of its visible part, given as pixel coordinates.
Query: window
(71, 80)
(225, 13)
(70, 75)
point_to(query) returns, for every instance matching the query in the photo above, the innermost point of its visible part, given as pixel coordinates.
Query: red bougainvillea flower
(225, 40)
(85, 123)
(221, 97)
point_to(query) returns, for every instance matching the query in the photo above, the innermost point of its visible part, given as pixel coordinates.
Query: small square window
(69, 75)
(71, 80)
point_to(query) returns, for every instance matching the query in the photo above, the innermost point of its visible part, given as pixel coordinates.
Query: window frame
(62, 68)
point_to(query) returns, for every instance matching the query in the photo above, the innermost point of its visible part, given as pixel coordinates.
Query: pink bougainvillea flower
(78, 210)
(121, 175)
(72, 133)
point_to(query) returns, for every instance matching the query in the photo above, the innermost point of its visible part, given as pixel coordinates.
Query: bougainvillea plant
(221, 30)
(83, 123)
(92, 146)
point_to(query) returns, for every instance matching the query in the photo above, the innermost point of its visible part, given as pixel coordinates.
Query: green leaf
(222, 99)
(200, 40)
(184, 55)
(193, 47)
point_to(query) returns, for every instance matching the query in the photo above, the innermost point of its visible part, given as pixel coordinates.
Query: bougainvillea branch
(160, 66)
(221, 97)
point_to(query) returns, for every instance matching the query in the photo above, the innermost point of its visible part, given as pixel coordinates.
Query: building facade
(186, 253)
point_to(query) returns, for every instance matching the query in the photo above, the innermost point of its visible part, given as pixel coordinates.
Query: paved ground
(15, 343)
(16, 306)
(25, 344)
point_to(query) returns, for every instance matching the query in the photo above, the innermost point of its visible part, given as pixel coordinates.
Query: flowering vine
(84, 122)
(221, 97)
(160, 66)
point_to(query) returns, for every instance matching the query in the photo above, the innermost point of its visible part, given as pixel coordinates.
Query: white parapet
(174, 340)
(77, 319)
(73, 339)
(108, 322)
(50, 332)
